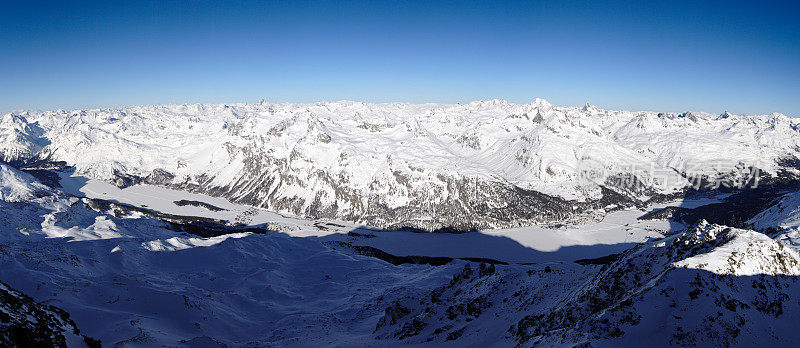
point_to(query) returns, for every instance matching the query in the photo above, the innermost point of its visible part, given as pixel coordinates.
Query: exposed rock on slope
(709, 285)
(738, 252)
(26, 323)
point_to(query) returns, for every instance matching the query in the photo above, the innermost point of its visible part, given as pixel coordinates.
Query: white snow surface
(162, 199)
(612, 233)
(741, 252)
(19, 138)
(784, 214)
(134, 281)
(346, 159)
(17, 186)
(782, 218)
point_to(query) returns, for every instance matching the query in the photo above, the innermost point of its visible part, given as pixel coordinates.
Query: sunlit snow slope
(133, 279)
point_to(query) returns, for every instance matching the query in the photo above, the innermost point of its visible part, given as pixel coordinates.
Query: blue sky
(638, 55)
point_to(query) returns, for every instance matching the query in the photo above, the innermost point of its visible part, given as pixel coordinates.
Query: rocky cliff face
(26, 323)
(476, 165)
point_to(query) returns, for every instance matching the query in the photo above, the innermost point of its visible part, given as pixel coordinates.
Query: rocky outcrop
(716, 285)
(27, 323)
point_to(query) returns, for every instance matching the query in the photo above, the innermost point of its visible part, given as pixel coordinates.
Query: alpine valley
(357, 224)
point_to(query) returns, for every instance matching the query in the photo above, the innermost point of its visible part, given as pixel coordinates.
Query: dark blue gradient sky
(639, 55)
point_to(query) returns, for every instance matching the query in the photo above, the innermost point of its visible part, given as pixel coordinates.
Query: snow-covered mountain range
(485, 164)
(273, 225)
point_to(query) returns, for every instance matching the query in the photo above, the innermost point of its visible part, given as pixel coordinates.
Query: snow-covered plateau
(265, 225)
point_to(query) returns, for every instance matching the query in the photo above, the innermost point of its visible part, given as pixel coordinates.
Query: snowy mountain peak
(726, 250)
(18, 138)
(539, 102)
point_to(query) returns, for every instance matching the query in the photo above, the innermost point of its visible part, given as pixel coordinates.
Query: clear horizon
(381, 102)
(674, 57)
